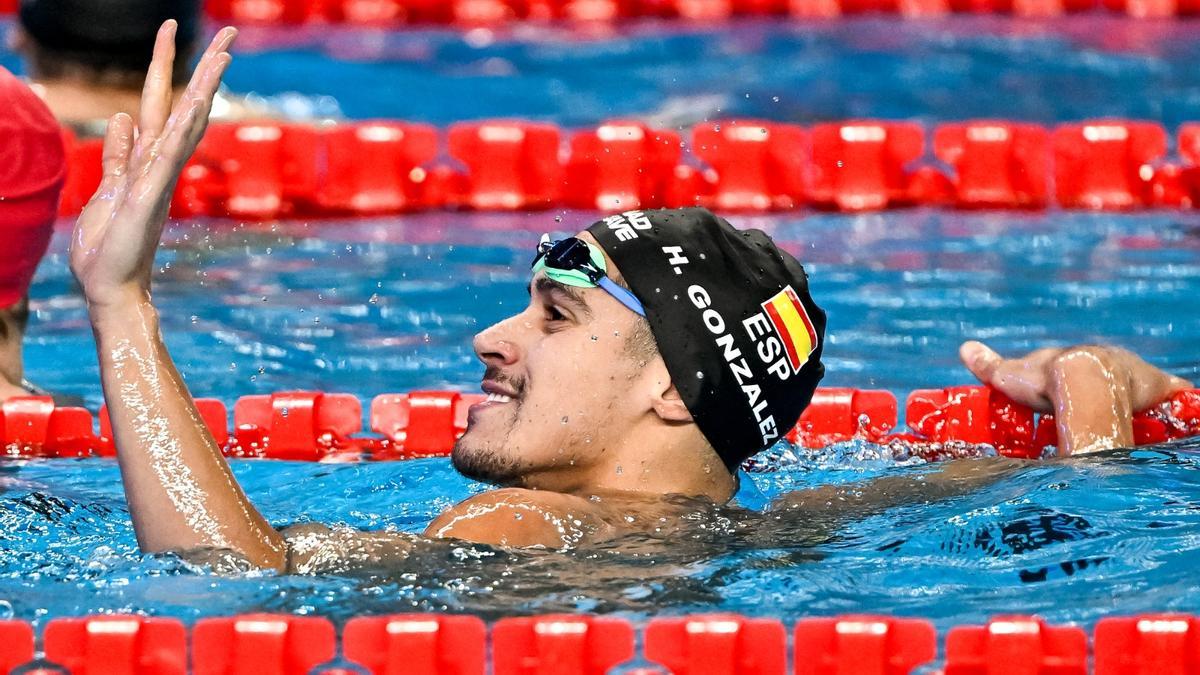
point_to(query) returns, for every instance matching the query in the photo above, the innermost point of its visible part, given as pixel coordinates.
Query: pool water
(390, 304)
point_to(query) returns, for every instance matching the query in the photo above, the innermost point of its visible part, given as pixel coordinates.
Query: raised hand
(115, 238)
(1093, 390)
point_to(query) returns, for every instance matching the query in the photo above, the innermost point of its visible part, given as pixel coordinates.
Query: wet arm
(944, 481)
(181, 492)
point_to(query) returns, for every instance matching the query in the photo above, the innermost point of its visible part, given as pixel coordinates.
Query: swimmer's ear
(669, 406)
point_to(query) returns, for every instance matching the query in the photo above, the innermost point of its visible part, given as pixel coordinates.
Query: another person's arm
(1093, 391)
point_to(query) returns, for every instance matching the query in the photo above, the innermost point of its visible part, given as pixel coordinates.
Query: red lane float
(860, 166)
(837, 414)
(319, 426)
(1016, 645)
(725, 644)
(468, 14)
(417, 644)
(717, 643)
(560, 644)
(621, 165)
(34, 427)
(862, 644)
(420, 423)
(997, 164)
(117, 644)
(294, 425)
(261, 644)
(1163, 644)
(756, 165)
(16, 644)
(266, 170)
(1107, 164)
(510, 165)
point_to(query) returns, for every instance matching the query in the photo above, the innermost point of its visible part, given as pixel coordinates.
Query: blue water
(372, 306)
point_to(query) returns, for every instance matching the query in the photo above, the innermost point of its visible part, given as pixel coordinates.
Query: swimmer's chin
(483, 465)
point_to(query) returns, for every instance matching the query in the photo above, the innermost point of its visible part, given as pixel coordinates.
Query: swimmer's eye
(553, 315)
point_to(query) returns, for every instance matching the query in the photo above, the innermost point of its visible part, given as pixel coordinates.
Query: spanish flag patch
(791, 321)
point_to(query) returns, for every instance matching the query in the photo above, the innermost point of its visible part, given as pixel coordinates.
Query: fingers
(156, 92)
(118, 143)
(1023, 380)
(980, 359)
(190, 116)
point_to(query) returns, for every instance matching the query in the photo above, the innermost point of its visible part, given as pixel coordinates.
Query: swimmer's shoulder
(520, 518)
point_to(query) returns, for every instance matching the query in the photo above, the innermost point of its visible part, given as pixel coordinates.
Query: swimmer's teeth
(498, 398)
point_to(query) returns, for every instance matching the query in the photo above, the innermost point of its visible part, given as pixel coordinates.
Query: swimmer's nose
(492, 349)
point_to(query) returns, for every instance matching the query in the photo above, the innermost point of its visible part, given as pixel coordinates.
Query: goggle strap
(623, 296)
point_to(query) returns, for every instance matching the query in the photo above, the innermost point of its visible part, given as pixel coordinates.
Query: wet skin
(585, 435)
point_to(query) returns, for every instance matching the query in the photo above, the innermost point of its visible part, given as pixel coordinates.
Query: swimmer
(32, 170)
(87, 58)
(658, 351)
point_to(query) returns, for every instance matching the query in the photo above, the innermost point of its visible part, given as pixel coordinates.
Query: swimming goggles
(574, 262)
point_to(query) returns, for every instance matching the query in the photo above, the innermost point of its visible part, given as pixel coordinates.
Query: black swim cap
(117, 34)
(733, 319)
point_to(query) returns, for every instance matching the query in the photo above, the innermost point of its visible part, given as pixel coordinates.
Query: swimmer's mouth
(497, 393)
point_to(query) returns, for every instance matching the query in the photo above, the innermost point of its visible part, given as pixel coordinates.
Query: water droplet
(195, 318)
(374, 299)
(699, 375)
(620, 469)
(775, 99)
(565, 419)
(595, 338)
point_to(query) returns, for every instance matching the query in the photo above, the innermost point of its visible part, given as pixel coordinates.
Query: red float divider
(973, 414)
(262, 170)
(316, 425)
(1150, 644)
(420, 423)
(417, 644)
(560, 645)
(294, 425)
(249, 161)
(16, 644)
(619, 166)
(262, 11)
(377, 167)
(212, 412)
(998, 164)
(757, 165)
(261, 644)
(839, 414)
(510, 165)
(468, 14)
(32, 426)
(1106, 164)
(1189, 149)
(1016, 645)
(863, 165)
(718, 644)
(862, 644)
(131, 645)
